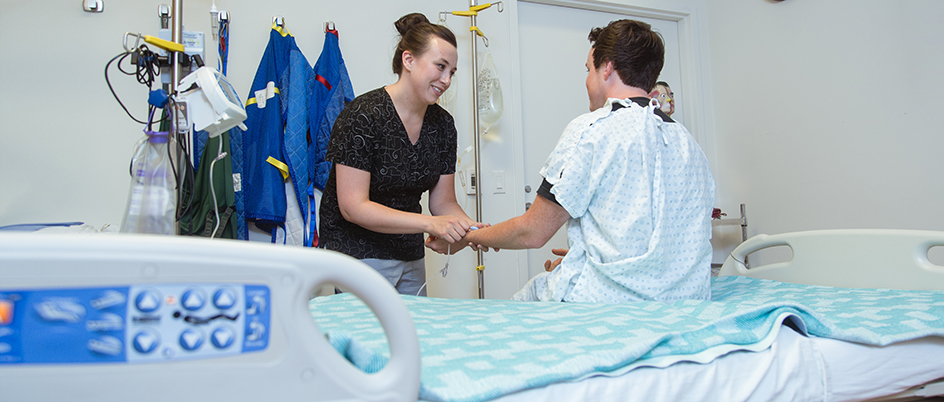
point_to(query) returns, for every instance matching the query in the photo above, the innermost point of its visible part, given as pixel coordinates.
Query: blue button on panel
(146, 342)
(191, 339)
(193, 299)
(148, 301)
(224, 298)
(223, 337)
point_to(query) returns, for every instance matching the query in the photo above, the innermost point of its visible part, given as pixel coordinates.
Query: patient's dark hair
(637, 52)
(415, 33)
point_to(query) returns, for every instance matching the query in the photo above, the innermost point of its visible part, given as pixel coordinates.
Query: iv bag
(488, 91)
(152, 200)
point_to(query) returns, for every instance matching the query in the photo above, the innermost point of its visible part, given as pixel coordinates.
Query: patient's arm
(531, 230)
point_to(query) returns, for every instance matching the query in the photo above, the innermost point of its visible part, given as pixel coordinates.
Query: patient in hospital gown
(632, 185)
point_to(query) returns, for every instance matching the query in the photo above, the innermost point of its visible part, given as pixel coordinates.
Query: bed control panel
(141, 323)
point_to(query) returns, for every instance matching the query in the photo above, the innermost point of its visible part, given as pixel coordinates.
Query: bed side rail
(855, 258)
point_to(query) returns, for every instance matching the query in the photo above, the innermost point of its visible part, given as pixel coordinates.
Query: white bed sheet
(794, 368)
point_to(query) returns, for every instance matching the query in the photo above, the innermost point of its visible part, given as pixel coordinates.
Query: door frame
(693, 65)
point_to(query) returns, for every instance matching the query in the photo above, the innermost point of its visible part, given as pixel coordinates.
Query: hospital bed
(471, 349)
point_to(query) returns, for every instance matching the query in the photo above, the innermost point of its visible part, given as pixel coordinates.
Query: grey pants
(406, 276)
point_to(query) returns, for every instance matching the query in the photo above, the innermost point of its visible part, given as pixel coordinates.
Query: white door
(553, 49)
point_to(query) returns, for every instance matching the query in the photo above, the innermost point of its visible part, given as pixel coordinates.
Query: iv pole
(473, 13)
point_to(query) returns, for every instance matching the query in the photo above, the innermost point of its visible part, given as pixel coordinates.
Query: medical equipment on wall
(163, 318)
(212, 103)
(222, 32)
(472, 13)
(162, 188)
(152, 197)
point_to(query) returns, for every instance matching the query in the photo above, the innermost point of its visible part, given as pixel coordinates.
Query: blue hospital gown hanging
(331, 92)
(275, 146)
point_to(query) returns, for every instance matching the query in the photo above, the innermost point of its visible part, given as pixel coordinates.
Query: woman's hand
(447, 227)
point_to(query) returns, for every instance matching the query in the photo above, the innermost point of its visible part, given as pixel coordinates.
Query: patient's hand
(441, 246)
(550, 265)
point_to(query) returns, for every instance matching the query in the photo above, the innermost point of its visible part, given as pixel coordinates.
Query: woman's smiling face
(431, 73)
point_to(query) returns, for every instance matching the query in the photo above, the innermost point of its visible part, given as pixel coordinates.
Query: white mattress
(795, 368)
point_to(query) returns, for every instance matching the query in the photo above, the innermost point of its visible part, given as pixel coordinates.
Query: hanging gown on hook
(201, 217)
(332, 91)
(275, 146)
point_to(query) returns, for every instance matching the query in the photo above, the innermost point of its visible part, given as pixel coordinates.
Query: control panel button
(106, 345)
(193, 299)
(109, 298)
(106, 322)
(60, 310)
(223, 337)
(146, 342)
(191, 339)
(224, 299)
(148, 301)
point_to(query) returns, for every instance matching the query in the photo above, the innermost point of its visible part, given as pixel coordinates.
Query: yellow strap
(252, 101)
(164, 44)
(480, 268)
(279, 165)
(282, 30)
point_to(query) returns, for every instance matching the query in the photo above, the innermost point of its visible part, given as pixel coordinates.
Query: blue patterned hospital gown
(640, 195)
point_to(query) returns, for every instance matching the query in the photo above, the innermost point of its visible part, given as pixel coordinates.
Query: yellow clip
(480, 268)
(480, 7)
(282, 167)
(465, 13)
(164, 44)
(477, 31)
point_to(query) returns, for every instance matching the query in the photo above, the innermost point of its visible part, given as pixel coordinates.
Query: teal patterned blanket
(476, 350)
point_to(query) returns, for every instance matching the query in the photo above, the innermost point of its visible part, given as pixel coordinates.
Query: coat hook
(93, 6)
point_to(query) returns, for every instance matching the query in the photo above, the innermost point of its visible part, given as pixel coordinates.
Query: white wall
(828, 114)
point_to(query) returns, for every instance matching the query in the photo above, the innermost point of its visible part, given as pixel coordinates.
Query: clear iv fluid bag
(488, 91)
(152, 200)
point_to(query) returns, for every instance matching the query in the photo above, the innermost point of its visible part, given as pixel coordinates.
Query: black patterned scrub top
(368, 135)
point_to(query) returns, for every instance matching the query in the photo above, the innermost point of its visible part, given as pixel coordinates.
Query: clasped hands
(444, 246)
